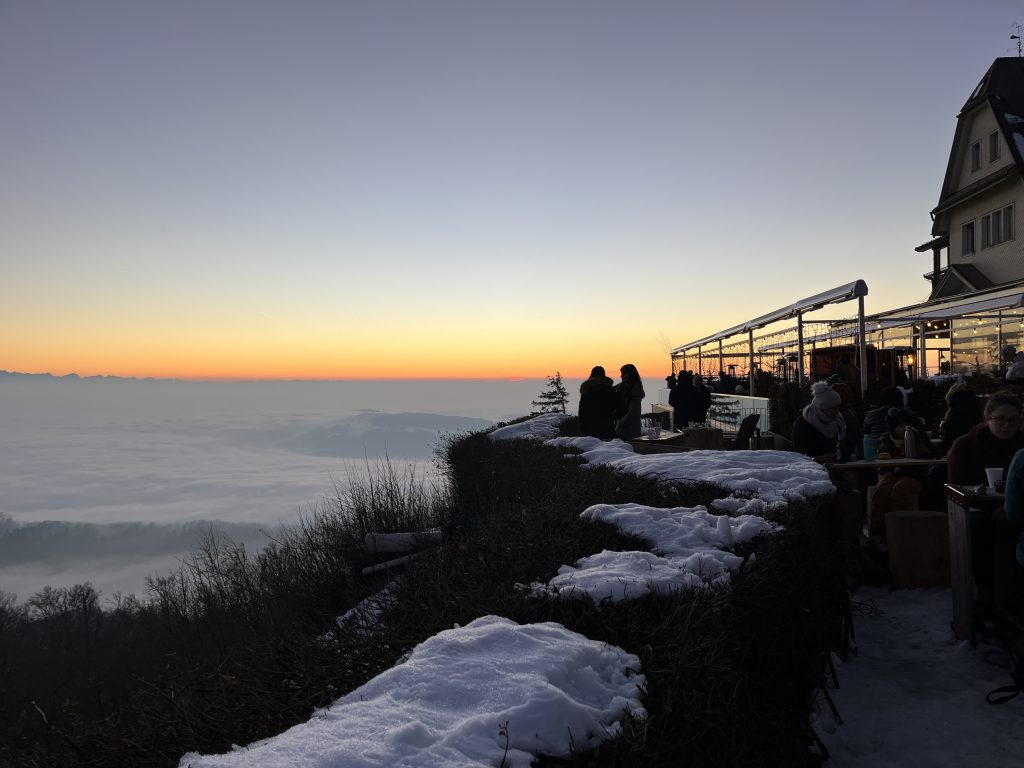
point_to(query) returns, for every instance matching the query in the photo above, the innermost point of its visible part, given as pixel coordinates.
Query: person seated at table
(898, 488)
(993, 443)
(963, 412)
(820, 426)
(875, 419)
(599, 405)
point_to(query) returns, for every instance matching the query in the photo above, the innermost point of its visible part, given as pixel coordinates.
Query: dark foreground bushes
(235, 648)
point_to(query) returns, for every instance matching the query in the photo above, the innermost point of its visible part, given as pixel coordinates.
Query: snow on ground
(769, 478)
(912, 695)
(542, 427)
(915, 695)
(549, 689)
(690, 546)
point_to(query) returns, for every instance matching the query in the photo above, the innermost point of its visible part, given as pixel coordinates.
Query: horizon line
(284, 379)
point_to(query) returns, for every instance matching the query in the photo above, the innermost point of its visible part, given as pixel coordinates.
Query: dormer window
(976, 156)
(993, 147)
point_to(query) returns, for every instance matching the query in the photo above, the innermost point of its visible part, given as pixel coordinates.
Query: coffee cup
(993, 475)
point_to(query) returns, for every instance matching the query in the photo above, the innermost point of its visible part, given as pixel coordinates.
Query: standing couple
(609, 410)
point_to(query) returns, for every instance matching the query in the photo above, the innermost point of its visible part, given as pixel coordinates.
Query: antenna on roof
(1017, 37)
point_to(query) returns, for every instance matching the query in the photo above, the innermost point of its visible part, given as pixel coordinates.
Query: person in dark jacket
(599, 405)
(963, 413)
(701, 400)
(630, 391)
(875, 419)
(993, 443)
(683, 400)
(989, 444)
(820, 425)
(1014, 509)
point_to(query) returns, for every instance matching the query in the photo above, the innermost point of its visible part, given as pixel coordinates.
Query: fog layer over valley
(110, 481)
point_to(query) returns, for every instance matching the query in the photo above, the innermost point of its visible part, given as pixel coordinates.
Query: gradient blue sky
(455, 188)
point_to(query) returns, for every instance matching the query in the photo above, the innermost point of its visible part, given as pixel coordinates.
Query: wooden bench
(918, 543)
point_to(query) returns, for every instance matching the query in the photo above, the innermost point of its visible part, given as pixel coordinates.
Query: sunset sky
(459, 188)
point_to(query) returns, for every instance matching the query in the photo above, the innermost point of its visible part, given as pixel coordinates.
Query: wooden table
(884, 463)
(664, 442)
(710, 439)
(959, 501)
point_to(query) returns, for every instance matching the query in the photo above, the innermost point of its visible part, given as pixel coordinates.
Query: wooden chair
(745, 432)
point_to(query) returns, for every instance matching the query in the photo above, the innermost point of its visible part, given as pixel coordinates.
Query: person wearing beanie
(599, 405)
(820, 425)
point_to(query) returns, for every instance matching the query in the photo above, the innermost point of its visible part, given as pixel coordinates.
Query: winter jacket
(683, 400)
(809, 441)
(972, 453)
(875, 422)
(599, 407)
(1014, 502)
(702, 403)
(1016, 371)
(628, 425)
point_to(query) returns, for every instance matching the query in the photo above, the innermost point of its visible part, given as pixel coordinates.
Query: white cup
(993, 475)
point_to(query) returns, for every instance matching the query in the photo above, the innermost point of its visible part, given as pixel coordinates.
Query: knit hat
(845, 393)
(823, 396)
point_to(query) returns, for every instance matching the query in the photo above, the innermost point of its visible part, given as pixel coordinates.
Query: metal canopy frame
(858, 289)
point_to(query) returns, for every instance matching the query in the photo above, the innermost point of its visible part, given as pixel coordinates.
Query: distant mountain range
(73, 377)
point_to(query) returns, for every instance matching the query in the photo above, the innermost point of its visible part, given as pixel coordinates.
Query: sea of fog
(109, 481)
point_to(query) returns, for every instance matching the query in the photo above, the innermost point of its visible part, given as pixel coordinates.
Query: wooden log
(389, 564)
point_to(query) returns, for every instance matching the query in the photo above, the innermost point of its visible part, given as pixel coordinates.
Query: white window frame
(975, 156)
(993, 146)
(967, 241)
(998, 227)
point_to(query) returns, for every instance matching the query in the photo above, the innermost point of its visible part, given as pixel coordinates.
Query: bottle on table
(869, 448)
(910, 444)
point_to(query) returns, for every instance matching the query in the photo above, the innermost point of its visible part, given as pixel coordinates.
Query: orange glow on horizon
(285, 370)
(236, 354)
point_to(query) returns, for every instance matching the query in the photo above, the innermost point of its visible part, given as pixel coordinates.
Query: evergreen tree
(554, 398)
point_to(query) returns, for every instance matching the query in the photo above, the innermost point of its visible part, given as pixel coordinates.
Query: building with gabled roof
(983, 188)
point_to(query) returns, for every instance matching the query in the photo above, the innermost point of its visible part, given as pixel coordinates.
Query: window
(968, 238)
(976, 156)
(997, 227)
(993, 147)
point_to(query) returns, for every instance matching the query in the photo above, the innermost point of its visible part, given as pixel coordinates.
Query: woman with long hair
(631, 393)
